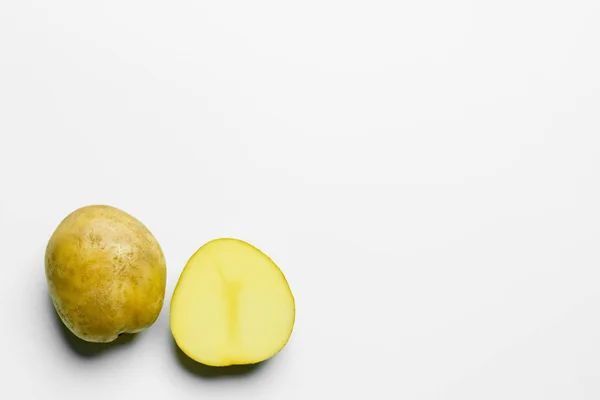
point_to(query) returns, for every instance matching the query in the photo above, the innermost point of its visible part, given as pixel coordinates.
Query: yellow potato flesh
(106, 273)
(232, 305)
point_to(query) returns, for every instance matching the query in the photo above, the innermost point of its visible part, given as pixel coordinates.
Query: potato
(106, 273)
(231, 305)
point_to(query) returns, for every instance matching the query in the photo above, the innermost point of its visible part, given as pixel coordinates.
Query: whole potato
(106, 273)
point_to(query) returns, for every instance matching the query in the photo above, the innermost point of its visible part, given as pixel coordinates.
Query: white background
(426, 174)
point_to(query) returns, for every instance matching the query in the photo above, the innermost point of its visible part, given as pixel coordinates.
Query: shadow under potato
(87, 349)
(205, 371)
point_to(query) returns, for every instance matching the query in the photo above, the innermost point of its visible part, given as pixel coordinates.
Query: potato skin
(106, 273)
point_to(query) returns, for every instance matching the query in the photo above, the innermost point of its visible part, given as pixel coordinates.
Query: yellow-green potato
(106, 273)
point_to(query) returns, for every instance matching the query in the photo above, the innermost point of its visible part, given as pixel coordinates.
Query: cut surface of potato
(232, 305)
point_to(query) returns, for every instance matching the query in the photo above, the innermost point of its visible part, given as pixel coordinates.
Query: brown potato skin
(106, 273)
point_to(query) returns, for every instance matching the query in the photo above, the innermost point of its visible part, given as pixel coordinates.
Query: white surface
(426, 174)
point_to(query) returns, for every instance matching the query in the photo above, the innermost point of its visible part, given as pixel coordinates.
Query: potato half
(232, 305)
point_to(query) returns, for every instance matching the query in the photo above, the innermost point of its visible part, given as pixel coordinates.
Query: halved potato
(232, 305)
